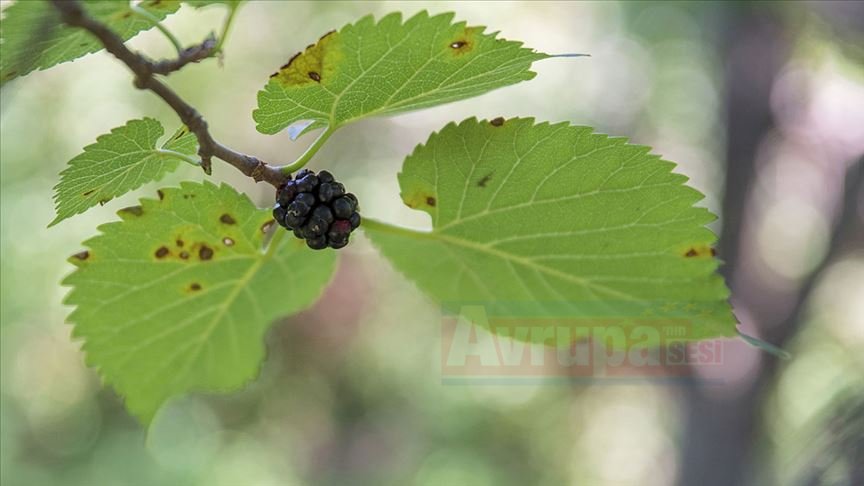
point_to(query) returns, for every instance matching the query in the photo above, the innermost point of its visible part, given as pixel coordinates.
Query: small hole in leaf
(458, 44)
(227, 241)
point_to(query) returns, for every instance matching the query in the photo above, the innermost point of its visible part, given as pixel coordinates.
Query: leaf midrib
(506, 256)
(241, 284)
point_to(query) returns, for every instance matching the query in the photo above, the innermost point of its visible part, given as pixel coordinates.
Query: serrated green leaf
(117, 163)
(33, 37)
(177, 297)
(555, 214)
(368, 69)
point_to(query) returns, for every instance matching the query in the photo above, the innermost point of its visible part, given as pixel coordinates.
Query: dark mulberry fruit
(316, 208)
(343, 208)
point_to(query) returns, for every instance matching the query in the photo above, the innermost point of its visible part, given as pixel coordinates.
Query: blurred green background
(762, 105)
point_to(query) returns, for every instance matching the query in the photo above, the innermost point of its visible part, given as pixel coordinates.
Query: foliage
(34, 37)
(368, 68)
(177, 296)
(554, 213)
(117, 163)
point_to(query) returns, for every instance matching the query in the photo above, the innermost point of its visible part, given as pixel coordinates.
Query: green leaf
(177, 297)
(557, 215)
(368, 69)
(33, 37)
(117, 163)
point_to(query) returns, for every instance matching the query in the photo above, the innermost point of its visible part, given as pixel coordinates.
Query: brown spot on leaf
(179, 242)
(227, 219)
(497, 122)
(485, 180)
(702, 251)
(91, 191)
(160, 194)
(309, 66)
(162, 252)
(104, 201)
(465, 42)
(188, 196)
(195, 286)
(83, 255)
(431, 201)
(133, 210)
(227, 241)
(184, 255)
(205, 253)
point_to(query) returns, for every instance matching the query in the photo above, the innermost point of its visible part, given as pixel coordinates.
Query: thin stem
(232, 10)
(309, 153)
(144, 14)
(374, 224)
(177, 155)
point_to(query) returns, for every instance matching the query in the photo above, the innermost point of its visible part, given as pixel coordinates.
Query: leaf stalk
(179, 156)
(309, 153)
(226, 27)
(144, 14)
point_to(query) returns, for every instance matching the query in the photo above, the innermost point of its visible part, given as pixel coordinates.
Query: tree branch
(189, 55)
(145, 70)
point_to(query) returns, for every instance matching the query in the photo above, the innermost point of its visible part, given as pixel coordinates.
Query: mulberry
(317, 209)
